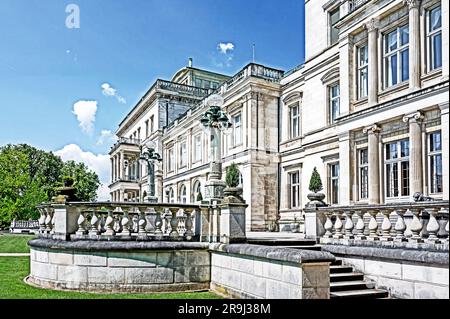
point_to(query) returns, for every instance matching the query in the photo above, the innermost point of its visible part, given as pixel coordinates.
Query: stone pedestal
(232, 220)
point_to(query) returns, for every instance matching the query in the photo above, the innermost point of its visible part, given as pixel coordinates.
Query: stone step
(335, 269)
(351, 276)
(337, 262)
(362, 293)
(316, 248)
(351, 285)
(282, 242)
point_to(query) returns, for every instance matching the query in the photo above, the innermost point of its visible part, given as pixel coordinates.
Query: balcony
(126, 141)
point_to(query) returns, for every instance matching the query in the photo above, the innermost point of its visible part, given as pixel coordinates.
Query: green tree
(315, 184)
(232, 176)
(85, 181)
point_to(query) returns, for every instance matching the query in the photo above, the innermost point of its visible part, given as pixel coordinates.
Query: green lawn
(14, 243)
(14, 269)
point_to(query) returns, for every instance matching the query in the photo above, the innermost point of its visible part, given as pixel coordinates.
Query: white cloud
(98, 163)
(108, 90)
(85, 112)
(225, 48)
(106, 137)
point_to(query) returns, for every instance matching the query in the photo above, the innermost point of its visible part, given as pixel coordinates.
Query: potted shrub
(232, 181)
(315, 186)
(199, 197)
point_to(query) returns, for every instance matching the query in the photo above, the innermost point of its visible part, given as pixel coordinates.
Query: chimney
(190, 62)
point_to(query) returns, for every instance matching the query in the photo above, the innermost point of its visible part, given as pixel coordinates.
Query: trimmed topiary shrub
(315, 184)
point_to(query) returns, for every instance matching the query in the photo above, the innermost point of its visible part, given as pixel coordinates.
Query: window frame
(330, 25)
(183, 194)
(183, 155)
(360, 67)
(363, 166)
(331, 186)
(330, 87)
(391, 162)
(429, 36)
(396, 52)
(430, 155)
(294, 133)
(170, 160)
(294, 188)
(237, 128)
(198, 156)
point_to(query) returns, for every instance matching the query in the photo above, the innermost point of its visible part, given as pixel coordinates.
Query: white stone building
(368, 108)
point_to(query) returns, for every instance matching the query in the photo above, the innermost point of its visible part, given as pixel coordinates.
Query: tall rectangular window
(334, 183)
(183, 154)
(397, 169)
(334, 102)
(364, 173)
(146, 128)
(197, 148)
(434, 38)
(152, 123)
(333, 31)
(363, 71)
(237, 130)
(396, 56)
(170, 160)
(294, 179)
(295, 120)
(435, 162)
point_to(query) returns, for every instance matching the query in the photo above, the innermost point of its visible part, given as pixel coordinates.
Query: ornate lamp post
(215, 121)
(149, 157)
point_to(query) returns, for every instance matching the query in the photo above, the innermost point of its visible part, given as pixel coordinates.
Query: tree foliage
(315, 184)
(232, 176)
(29, 176)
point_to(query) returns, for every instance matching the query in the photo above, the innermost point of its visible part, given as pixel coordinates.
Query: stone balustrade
(425, 222)
(120, 221)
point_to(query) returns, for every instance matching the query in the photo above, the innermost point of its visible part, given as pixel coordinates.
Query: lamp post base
(214, 190)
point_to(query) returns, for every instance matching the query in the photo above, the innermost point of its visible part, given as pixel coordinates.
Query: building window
(435, 162)
(183, 197)
(139, 133)
(170, 160)
(146, 128)
(334, 102)
(363, 71)
(294, 180)
(197, 189)
(170, 195)
(434, 38)
(397, 169)
(333, 171)
(333, 17)
(183, 154)
(295, 120)
(152, 123)
(396, 56)
(197, 148)
(237, 130)
(364, 173)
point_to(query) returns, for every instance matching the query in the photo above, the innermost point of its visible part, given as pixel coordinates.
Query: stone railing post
(232, 220)
(328, 225)
(338, 225)
(416, 226)
(433, 226)
(65, 220)
(349, 225)
(314, 223)
(400, 226)
(360, 226)
(373, 225)
(386, 226)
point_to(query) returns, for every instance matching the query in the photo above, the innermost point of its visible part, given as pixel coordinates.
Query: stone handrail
(181, 88)
(428, 222)
(119, 221)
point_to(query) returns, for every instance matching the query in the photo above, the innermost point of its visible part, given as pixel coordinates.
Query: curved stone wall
(119, 266)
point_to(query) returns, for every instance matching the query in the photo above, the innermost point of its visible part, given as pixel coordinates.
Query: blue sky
(45, 67)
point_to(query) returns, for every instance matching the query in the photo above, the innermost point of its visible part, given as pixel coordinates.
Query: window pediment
(330, 76)
(292, 97)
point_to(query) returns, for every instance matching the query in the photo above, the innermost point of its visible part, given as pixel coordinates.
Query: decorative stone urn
(233, 195)
(316, 200)
(65, 193)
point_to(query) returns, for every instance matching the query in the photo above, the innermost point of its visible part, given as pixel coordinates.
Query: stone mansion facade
(368, 108)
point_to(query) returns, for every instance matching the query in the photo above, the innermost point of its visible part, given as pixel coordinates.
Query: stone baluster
(109, 224)
(338, 225)
(174, 224)
(373, 225)
(95, 220)
(142, 233)
(82, 230)
(126, 223)
(188, 225)
(416, 226)
(158, 224)
(53, 222)
(386, 226)
(166, 226)
(43, 213)
(400, 226)
(48, 220)
(433, 226)
(360, 226)
(328, 226)
(349, 225)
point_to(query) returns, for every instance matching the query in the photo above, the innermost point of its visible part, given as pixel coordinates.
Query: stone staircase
(344, 281)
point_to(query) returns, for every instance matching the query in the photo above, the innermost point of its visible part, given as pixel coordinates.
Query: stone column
(112, 169)
(415, 153)
(121, 166)
(373, 132)
(372, 31)
(445, 148)
(414, 43)
(345, 167)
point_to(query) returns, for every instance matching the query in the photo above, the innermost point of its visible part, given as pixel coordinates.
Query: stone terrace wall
(261, 272)
(120, 266)
(406, 273)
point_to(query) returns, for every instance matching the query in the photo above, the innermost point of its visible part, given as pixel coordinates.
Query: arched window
(197, 192)
(170, 195)
(183, 198)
